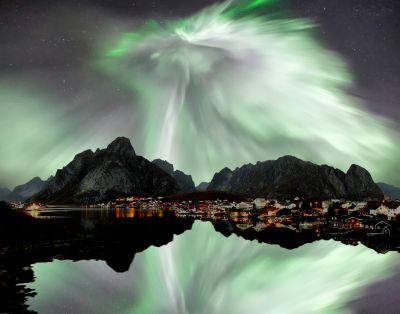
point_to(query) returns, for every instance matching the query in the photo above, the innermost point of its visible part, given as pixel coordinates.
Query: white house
(260, 226)
(381, 210)
(325, 206)
(260, 202)
(245, 205)
(393, 212)
(291, 206)
(360, 205)
(347, 205)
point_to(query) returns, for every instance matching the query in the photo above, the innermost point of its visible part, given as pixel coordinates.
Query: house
(271, 212)
(291, 206)
(260, 226)
(325, 206)
(347, 205)
(381, 210)
(260, 203)
(360, 206)
(339, 224)
(353, 222)
(245, 206)
(369, 223)
(377, 226)
(357, 209)
(393, 212)
(384, 227)
(244, 226)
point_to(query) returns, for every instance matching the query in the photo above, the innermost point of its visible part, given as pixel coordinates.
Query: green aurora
(237, 82)
(240, 86)
(202, 271)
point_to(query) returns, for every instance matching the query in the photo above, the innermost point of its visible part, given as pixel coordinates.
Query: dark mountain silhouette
(288, 177)
(185, 181)
(202, 186)
(105, 174)
(4, 192)
(23, 191)
(389, 190)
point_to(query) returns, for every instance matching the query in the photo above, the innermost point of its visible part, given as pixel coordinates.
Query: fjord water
(202, 271)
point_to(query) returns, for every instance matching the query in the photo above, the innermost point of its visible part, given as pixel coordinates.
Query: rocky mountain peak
(289, 176)
(356, 169)
(35, 179)
(107, 173)
(121, 146)
(185, 181)
(225, 171)
(221, 180)
(288, 158)
(359, 181)
(87, 154)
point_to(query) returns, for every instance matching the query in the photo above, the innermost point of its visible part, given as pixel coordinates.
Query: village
(339, 216)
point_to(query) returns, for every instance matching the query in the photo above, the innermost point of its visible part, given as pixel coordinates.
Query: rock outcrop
(288, 177)
(185, 181)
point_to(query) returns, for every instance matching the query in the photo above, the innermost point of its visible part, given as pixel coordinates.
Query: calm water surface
(202, 271)
(96, 213)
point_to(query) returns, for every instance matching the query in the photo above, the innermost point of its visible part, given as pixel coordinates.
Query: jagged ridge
(185, 181)
(288, 177)
(107, 173)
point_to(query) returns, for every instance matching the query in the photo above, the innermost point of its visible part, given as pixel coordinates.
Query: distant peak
(288, 157)
(225, 170)
(36, 179)
(356, 168)
(120, 141)
(121, 145)
(85, 154)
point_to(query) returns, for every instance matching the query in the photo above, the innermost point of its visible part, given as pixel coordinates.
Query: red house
(353, 222)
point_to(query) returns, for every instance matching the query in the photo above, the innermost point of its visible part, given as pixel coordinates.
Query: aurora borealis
(231, 76)
(204, 86)
(201, 271)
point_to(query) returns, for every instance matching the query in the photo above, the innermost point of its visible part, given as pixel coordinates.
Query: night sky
(55, 100)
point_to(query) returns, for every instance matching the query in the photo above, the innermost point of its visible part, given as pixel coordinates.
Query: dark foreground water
(203, 271)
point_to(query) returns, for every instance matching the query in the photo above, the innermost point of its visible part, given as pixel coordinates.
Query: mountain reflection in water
(201, 271)
(150, 261)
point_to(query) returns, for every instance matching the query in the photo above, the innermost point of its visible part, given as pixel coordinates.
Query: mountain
(392, 191)
(105, 174)
(24, 191)
(288, 177)
(4, 192)
(185, 181)
(30, 188)
(202, 186)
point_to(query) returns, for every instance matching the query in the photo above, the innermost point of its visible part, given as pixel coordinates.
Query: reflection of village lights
(130, 213)
(35, 213)
(33, 206)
